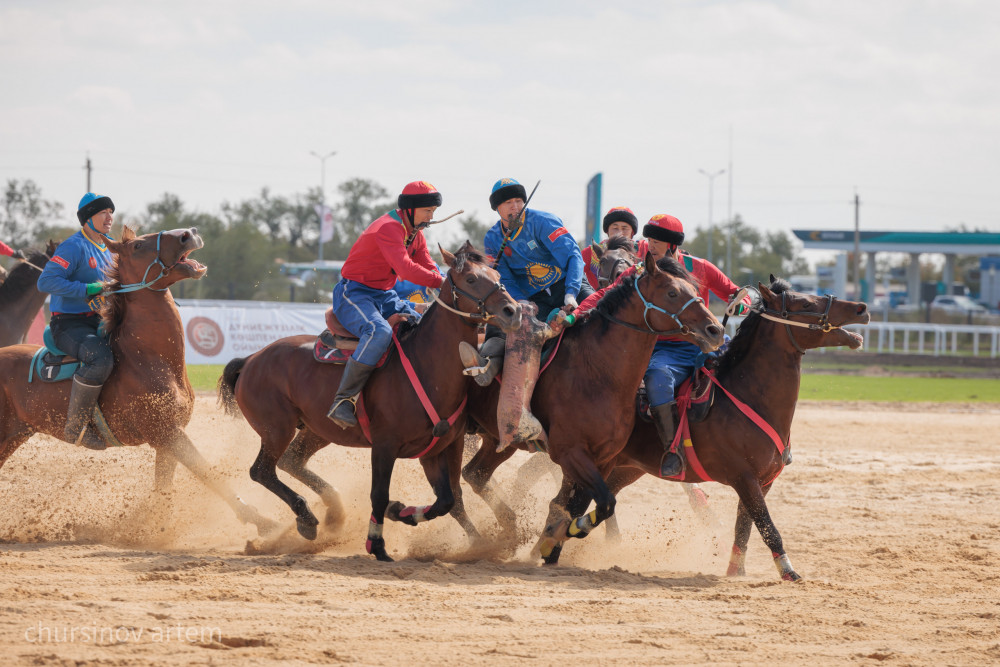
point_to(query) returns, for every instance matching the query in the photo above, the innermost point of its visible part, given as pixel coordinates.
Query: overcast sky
(214, 100)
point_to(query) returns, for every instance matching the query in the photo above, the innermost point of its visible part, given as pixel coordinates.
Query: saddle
(336, 344)
(702, 397)
(50, 363)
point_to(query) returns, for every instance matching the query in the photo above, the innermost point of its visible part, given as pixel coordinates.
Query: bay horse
(147, 398)
(281, 389)
(762, 370)
(20, 299)
(585, 398)
(617, 258)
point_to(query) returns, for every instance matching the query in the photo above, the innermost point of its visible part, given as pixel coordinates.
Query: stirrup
(671, 472)
(336, 405)
(91, 438)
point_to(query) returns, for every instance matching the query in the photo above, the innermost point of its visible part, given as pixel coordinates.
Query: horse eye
(470, 279)
(672, 294)
(138, 245)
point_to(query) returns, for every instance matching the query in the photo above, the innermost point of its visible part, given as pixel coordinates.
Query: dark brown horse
(147, 398)
(20, 299)
(585, 399)
(617, 258)
(762, 369)
(281, 389)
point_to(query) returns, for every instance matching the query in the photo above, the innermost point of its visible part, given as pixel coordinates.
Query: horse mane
(618, 295)
(112, 311)
(621, 243)
(22, 278)
(741, 345)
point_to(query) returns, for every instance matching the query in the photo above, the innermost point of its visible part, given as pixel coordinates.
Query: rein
(479, 317)
(144, 284)
(648, 306)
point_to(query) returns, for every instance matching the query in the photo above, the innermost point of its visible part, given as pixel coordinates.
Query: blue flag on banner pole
(592, 228)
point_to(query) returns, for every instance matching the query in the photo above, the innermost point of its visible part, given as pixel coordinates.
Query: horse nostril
(509, 310)
(715, 329)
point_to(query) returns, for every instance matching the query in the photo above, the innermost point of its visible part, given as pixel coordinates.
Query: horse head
(475, 289)
(614, 260)
(156, 260)
(672, 304)
(812, 321)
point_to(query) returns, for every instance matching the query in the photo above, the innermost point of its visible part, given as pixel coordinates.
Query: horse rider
(674, 359)
(392, 247)
(619, 221)
(538, 260)
(9, 252)
(73, 278)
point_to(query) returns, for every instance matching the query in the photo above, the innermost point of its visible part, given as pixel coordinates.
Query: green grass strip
(818, 387)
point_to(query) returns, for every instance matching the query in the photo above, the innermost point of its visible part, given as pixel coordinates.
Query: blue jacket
(77, 261)
(541, 253)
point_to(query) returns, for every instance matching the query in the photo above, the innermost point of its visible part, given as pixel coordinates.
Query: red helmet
(664, 228)
(419, 194)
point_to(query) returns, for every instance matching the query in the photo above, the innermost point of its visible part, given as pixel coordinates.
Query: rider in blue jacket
(74, 278)
(538, 260)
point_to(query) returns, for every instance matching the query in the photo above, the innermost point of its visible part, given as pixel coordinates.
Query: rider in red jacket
(618, 221)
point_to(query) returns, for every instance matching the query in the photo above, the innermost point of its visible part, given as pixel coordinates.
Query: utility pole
(729, 210)
(857, 247)
(711, 227)
(322, 194)
(87, 169)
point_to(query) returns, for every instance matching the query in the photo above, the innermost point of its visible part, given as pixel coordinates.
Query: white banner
(217, 331)
(325, 214)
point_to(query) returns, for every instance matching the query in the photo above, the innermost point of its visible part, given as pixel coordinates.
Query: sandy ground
(889, 512)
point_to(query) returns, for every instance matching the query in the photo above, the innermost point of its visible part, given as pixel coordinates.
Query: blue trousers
(672, 363)
(363, 311)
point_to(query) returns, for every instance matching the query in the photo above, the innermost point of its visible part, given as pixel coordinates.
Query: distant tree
(27, 217)
(363, 201)
(755, 254)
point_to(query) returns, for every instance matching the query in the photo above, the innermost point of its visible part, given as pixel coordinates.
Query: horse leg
(165, 463)
(458, 512)
(752, 499)
(570, 498)
(383, 462)
(478, 474)
(264, 472)
(738, 558)
(618, 479)
(183, 450)
(294, 460)
(436, 471)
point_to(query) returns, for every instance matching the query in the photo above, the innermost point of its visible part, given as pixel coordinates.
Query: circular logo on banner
(205, 336)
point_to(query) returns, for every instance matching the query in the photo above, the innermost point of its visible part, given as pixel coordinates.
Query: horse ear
(773, 278)
(597, 249)
(650, 264)
(765, 291)
(449, 259)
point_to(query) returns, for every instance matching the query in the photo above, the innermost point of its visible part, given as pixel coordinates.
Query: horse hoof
(307, 527)
(791, 576)
(393, 513)
(553, 557)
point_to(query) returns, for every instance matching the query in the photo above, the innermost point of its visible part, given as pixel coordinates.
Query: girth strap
(425, 401)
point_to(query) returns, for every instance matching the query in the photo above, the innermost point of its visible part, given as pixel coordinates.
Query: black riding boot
(487, 362)
(355, 376)
(663, 417)
(82, 399)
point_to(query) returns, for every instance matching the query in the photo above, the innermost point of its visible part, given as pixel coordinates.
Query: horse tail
(227, 386)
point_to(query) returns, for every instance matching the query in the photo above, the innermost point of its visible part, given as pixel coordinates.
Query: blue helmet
(504, 189)
(91, 204)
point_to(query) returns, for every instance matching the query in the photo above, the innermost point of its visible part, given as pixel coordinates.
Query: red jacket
(708, 278)
(379, 256)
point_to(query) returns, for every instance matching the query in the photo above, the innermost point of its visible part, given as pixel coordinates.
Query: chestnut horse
(281, 389)
(20, 299)
(585, 398)
(147, 398)
(762, 369)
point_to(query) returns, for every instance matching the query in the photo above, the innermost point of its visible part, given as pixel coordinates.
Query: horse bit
(479, 317)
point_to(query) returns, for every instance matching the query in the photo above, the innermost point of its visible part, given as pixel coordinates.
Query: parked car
(955, 305)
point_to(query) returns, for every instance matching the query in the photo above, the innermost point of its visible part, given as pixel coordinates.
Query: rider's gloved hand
(17, 254)
(94, 288)
(570, 301)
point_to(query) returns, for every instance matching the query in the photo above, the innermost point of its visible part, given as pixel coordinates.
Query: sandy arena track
(889, 512)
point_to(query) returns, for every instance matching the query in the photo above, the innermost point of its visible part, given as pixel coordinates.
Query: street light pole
(711, 228)
(322, 194)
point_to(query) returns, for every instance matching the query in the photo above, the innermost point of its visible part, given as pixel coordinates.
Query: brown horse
(20, 299)
(585, 399)
(281, 389)
(617, 258)
(147, 398)
(761, 368)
